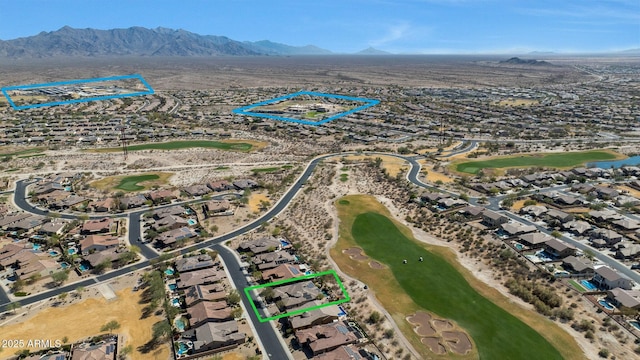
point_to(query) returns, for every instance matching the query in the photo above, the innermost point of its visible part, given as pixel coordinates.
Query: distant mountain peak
(518, 61)
(140, 41)
(372, 51)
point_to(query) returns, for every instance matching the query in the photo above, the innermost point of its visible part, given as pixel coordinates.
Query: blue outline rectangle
(245, 109)
(73, 101)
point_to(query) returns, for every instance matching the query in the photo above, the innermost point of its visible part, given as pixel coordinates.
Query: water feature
(180, 324)
(53, 253)
(64, 265)
(518, 246)
(588, 285)
(169, 271)
(83, 267)
(192, 222)
(71, 251)
(605, 304)
(632, 161)
(173, 287)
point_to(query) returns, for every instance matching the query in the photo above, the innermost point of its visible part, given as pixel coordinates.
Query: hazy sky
(400, 26)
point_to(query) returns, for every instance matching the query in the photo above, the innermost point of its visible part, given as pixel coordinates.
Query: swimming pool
(191, 221)
(175, 302)
(53, 253)
(71, 251)
(284, 243)
(180, 323)
(173, 286)
(64, 264)
(36, 246)
(342, 311)
(518, 246)
(169, 271)
(588, 285)
(83, 267)
(605, 304)
(183, 347)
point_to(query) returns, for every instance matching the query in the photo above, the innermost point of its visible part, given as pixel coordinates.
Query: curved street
(268, 335)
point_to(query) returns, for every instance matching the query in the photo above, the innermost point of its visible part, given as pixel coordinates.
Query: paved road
(270, 340)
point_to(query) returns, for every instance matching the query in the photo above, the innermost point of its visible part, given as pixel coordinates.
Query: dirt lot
(80, 319)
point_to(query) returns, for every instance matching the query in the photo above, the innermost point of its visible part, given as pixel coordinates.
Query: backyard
(439, 285)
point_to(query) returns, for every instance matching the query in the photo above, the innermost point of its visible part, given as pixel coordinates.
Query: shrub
(603, 353)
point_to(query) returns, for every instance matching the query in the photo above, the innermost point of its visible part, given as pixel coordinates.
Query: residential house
(296, 294)
(628, 251)
(170, 210)
(8, 220)
(170, 222)
(99, 257)
(626, 225)
(577, 266)
(192, 263)
(605, 193)
(554, 215)
(471, 212)
(27, 224)
(133, 201)
(282, 271)
(172, 237)
(197, 190)
(216, 207)
(206, 311)
(345, 352)
(97, 226)
(534, 210)
(198, 293)
(271, 260)
(161, 196)
(534, 240)
(493, 219)
(242, 184)
(318, 316)
(220, 185)
(93, 243)
(104, 205)
(199, 277)
(516, 228)
(607, 278)
(53, 227)
(104, 350)
(559, 249)
(214, 335)
(601, 238)
(323, 338)
(577, 227)
(450, 203)
(624, 298)
(259, 246)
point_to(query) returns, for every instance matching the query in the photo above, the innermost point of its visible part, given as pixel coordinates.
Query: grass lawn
(131, 183)
(440, 285)
(266, 170)
(233, 145)
(577, 286)
(7, 151)
(553, 160)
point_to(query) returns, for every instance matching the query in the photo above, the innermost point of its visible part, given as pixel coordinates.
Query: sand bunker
(422, 324)
(442, 325)
(433, 334)
(458, 342)
(376, 265)
(434, 345)
(355, 253)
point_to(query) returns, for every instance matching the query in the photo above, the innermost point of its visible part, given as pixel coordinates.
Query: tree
(79, 291)
(110, 326)
(63, 296)
(375, 317)
(233, 298)
(17, 285)
(161, 329)
(59, 277)
(126, 351)
(14, 306)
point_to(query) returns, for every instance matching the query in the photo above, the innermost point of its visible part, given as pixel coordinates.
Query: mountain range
(140, 41)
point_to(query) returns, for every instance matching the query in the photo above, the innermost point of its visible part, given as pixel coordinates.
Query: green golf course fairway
(231, 145)
(553, 160)
(438, 287)
(130, 183)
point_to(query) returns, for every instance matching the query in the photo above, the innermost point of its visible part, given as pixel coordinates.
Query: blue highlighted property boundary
(80, 81)
(246, 110)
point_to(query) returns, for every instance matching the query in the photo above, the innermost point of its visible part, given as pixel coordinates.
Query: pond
(632, 161)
